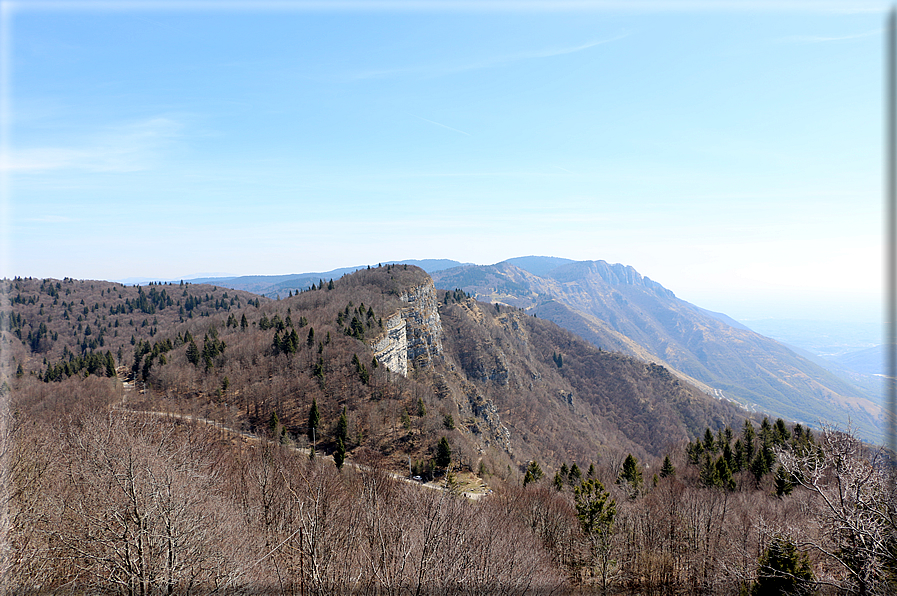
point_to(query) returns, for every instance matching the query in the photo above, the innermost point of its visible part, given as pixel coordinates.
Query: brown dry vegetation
(101, 499)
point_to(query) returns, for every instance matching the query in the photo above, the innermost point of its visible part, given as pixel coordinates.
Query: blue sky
(732, 154)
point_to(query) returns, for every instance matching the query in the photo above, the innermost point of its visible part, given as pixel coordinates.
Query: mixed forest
(190, 439)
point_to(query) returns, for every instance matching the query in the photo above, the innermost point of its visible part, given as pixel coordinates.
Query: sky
(731, 151)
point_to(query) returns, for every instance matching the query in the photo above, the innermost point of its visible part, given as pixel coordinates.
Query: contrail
(444, 126)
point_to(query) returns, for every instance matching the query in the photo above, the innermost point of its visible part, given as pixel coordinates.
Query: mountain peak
(540, 266)
(613, 274)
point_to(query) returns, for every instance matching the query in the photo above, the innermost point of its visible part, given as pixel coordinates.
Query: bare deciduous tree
(854, 508)
(140, 512)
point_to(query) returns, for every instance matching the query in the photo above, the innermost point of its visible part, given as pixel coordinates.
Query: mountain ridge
(617, 308)
(734, 361)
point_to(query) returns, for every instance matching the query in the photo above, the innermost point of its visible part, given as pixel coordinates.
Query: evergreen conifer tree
(709, 475)
(748, 435)
(558, 482)
(667, 470)
(724, 474)
(443, 454)
(596, 512)
(274, 425)
(631, 473)
(783, 570)
(110, 364)
(783, 483)
(533, 473)
(709, 441)
(192, 353)
(339, 456)
(314, 420)
(342, 427)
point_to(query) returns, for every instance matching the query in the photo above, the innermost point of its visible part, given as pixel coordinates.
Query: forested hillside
(167, 450)
(515, 386)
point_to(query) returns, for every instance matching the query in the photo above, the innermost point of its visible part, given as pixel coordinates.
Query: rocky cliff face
(414, 334)
(424, 329)
(391, 350)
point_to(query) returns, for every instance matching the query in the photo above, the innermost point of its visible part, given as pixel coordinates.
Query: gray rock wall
(414, 334)
(391, 350)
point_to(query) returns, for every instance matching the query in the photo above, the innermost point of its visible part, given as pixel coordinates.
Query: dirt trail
(476, 488)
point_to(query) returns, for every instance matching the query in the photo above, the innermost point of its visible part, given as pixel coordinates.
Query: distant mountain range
(614, 307)
(280, 286)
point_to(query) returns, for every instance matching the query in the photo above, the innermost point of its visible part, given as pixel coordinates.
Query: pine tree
(783, 570)
(274, 425)
(596, 512)
(709, 475)
(558, 482)
(527, 478)
(667, 470)
(443, 454)
(709, 441)
(764, 459)
(314, 420)
(748, 435)
(339, 456)
(738, 456)
(631, 474)
(110, 364)
(724, 474)
(533, 473)
(342, 427)
(780, 432)
(192, 353)
(783, 482)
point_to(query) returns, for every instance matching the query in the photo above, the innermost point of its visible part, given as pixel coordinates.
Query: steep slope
(561, 397)
(736, 362)
(404, 363)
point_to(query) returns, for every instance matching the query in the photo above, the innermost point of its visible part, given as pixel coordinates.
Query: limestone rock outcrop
(414, 334)
(391, 350)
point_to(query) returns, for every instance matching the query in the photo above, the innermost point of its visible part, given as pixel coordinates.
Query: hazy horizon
(732, 154)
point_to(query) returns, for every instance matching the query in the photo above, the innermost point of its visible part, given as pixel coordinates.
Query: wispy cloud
(489, 62)
(129, 147)
(443, 125)
(51, 219)
(828, 38)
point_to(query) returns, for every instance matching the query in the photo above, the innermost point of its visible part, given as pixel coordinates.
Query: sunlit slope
(745, 366)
